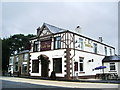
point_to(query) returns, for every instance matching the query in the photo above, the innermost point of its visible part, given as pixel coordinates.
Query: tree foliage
(15, 43)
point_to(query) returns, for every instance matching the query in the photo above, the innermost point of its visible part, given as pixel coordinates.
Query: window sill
(112, 71)
(81, 72)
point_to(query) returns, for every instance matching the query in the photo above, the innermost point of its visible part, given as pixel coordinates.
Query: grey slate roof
(111, 58)
(53, 29)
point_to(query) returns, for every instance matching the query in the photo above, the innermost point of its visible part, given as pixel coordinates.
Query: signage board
(45, 45)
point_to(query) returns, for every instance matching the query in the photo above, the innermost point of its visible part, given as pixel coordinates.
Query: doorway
(44, 65)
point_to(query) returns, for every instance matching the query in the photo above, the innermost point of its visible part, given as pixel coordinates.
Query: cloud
(96, 19)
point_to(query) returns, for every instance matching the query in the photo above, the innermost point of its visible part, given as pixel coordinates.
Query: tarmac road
(14, 82)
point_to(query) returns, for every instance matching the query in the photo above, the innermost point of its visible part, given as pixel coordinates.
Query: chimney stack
(100, 39)
(38, 30)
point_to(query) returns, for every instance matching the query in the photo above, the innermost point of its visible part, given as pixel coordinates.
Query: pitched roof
(111, 58)
(53, 29)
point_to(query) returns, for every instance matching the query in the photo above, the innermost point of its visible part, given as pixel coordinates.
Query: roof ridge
(54, 26)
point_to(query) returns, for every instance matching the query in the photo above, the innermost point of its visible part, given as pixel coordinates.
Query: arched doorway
(44, 65)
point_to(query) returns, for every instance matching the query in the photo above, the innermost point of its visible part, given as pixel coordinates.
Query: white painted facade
(109, 71)
(80, 46)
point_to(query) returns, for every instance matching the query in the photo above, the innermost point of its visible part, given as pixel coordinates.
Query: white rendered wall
(51, 54)
(100, 47)
(107, 70)
(88, 66)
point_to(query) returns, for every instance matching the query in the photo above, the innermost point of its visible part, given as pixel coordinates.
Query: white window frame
(25, 57)
(110, 51)
(81, 43)
(112, 64)
(95, 48)
(81, 62)
(106, 51)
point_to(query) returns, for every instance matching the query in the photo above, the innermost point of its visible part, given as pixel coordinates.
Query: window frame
(35, 46)
(55, 60)
(105, 50)
(110, 52)
(57, 43)
(33, 69)
(81, 62)
(95, 48)
(25, 58)
(112, 64)
(81, 43)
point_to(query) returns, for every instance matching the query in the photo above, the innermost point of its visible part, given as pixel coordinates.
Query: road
(14, 82)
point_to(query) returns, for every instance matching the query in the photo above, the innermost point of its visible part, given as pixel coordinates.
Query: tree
(15, 43)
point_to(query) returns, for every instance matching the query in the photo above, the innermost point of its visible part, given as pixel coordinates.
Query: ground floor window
(57, 65)
(35, 66)
(112, 66)
(24, 68)
(81, 63)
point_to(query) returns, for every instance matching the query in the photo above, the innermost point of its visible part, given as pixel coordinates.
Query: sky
(95, 18)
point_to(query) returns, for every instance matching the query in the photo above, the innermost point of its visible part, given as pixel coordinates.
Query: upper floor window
(105, 50)
(11, 60)
(81, 63)
(110, 51)
(95, 47)
(112, 66)
(35, 46)
(57, 42)
(17, 58)
(81, 43)
(25, 57)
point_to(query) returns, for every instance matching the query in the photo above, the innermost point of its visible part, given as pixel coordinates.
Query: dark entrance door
(19, 72)
(44, 69)
(44, 66)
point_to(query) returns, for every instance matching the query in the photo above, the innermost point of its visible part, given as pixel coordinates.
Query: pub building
(67, 53)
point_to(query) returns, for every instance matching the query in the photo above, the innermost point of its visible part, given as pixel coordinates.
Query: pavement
(62, 84)
(80, 80)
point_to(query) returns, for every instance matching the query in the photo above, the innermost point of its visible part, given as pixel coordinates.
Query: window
(57, 42)
(110, 51)
(81, 63)
(112, 66)
(17, 58)
(11, 60)
(35, 66)
(105, 50)
(57, 65)
(95, 48)
(76, 66)
(35, 46)
(25, 57)
(24, 68)
(81, 43)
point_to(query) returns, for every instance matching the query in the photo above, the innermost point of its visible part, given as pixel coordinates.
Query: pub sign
(45, 45)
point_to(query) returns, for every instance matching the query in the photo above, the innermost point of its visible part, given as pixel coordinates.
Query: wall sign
(45, 45)
(88, 45)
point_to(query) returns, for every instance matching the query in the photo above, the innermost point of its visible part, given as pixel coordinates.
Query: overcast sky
(95, 18)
